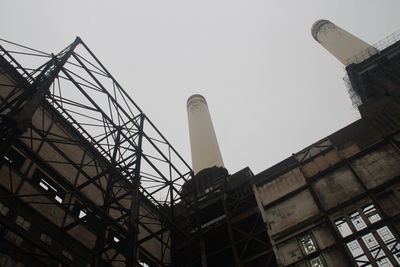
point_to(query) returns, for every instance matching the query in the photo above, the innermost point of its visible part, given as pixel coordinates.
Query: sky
(272, 90)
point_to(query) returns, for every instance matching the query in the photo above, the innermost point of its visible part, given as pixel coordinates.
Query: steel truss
(247, 235)
(232, 230)
(91, 155)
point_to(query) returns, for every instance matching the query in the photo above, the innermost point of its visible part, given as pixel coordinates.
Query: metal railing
(363, 55)
(375, 49)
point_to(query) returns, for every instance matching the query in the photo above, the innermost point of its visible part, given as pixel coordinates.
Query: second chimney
(346, 47)
(203, 141)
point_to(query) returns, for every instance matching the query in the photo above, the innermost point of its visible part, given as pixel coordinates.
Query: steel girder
(117, 176)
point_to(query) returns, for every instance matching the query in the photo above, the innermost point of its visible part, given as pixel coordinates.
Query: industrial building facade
(86, 179)
(337, 202)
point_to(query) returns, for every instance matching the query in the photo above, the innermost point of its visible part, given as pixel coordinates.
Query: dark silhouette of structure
(86, 179)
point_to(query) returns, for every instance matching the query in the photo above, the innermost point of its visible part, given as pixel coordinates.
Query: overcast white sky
(272, 90)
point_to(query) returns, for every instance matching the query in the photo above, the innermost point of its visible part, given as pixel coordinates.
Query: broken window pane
(343, 227)
(308, 244)
(82, 213)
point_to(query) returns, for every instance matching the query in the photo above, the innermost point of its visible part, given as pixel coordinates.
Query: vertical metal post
(236, 257)
(203, 253)
(132, 259)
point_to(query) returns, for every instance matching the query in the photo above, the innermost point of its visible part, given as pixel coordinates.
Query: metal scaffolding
(73, 136)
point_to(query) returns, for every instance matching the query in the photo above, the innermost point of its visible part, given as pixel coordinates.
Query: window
(343, 227)
(357, 221)
(308, 244)
(7, 261)
(316, 262)
(82, 213)
(143, 264)
(376, 245)
(371, 213)
(4, 209)
(355, 248)
(385, 234)
(314, 150)
(45, 239)
(67, 255)
(384, 262)
(14, 158)
(24, 224)
(58, 199)
(13, 238)
(48, 185)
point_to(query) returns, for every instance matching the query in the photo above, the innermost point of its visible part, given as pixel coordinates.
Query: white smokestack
(203, 141)
(343, 45)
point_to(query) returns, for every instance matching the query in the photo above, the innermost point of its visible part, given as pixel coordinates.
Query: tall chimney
(203, 141)
(346, 47)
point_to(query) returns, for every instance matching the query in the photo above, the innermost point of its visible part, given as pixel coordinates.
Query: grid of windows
(378, 246)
